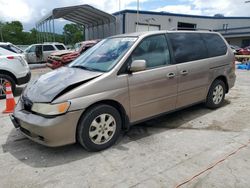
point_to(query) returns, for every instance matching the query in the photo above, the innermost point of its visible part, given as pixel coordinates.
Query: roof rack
(190, 29)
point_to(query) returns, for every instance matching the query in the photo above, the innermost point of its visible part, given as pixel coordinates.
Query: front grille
(27, 104)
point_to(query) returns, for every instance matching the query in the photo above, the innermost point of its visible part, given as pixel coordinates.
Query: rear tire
(99, 127)
(3, 80)
(216, 94)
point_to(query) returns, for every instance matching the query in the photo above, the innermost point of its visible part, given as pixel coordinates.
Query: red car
(58, 59)
(244, 51)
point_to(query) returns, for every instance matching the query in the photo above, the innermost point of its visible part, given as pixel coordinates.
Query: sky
(30, 11)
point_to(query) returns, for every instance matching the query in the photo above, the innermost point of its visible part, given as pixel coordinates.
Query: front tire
(99, 127)
(216, 94)
(3, 80)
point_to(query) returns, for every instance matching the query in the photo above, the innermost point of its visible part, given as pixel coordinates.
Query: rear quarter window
(215, 44)
(187, 47)
(60, 47)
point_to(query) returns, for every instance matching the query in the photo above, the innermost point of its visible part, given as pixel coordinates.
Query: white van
(39, 53)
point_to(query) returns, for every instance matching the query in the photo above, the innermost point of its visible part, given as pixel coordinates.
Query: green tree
(73, 33)
(1, 31)
(13, 32)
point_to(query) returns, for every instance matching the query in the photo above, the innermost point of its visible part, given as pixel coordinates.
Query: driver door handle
(171, 75)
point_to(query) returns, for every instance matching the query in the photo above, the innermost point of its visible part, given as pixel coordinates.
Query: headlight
(50, 109)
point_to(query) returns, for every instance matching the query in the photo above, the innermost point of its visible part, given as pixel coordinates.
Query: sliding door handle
(184, 72)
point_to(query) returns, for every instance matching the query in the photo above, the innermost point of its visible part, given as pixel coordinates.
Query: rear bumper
(25, 79)
(53, 132)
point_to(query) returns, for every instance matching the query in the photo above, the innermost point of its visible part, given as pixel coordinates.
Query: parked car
(235, 49)
(244, 51)
(58, 59)
(11, 47)
(13, 69)
(124, 80)
(39, 53)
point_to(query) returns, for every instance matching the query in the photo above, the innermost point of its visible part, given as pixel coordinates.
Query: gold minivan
(124, 80)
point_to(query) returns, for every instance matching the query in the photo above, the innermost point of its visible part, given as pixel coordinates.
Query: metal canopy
(85, 15)
(82, 14)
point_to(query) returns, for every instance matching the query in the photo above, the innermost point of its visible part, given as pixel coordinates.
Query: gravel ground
(206, 148)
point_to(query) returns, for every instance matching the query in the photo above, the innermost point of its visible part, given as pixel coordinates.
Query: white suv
(11, 47)
(13, 69)
(39, 53)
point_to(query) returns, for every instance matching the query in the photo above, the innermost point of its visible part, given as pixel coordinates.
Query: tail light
(10, 57)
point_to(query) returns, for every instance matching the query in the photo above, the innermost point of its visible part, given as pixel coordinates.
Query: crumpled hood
(49, 85)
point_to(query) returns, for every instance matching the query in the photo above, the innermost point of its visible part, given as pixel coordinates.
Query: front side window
(154, 50)
(187, 47)
(104, 55)
(48, 48)
(31, 49)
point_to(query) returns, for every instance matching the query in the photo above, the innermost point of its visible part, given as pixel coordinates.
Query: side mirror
(137, 65)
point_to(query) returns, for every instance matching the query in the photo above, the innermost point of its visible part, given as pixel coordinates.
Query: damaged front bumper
(52, 131)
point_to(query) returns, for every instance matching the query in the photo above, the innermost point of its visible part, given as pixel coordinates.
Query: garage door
(148, 28)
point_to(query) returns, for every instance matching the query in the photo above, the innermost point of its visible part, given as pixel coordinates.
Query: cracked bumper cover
(53, 132)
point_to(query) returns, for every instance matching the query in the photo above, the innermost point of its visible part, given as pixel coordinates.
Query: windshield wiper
(85, 68)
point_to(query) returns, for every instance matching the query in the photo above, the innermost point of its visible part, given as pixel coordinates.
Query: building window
(186, 26)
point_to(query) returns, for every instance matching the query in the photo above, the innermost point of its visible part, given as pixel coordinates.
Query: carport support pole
(103, 30)
(53, 25)
(47, 33)
(50, 32)
(137, 16)
(97, 31)
(44, 32)
(92, 32)
(42, 27)
(38, 34)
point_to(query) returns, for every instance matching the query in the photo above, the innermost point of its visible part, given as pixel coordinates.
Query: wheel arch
(9, 74)
(224, 79)
(116, 105)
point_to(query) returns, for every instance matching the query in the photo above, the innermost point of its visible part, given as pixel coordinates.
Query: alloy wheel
(218, 94)
(102, 129)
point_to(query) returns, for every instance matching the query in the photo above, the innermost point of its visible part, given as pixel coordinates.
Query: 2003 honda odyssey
(122, 80)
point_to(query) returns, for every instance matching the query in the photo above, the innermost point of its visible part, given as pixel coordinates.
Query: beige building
(235, 29)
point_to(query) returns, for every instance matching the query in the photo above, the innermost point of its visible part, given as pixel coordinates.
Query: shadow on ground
(39, 156)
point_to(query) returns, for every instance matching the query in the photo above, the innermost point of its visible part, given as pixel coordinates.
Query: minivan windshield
(104, 55)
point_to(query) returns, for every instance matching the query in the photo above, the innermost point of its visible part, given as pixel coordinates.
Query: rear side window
(188, 47)
(11, 48)
(215, 44)
(48, 48)
(60, 47)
